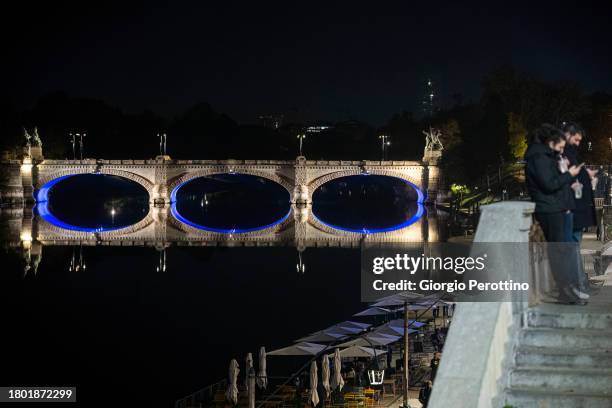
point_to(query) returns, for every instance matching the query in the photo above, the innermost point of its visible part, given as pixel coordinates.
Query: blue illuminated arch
(42, 207)
(419, 213)
(175, 213)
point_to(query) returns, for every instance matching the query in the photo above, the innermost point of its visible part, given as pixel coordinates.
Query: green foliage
(459, 189)
(517, 136)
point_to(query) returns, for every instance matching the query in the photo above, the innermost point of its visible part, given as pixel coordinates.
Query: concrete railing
(482, 334)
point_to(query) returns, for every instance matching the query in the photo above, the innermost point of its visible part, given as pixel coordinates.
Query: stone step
(578, 339)
(562, 380)
(527, 356)
(527, 398)
(580, 319)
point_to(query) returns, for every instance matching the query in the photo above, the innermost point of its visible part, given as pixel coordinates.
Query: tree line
(478, 136)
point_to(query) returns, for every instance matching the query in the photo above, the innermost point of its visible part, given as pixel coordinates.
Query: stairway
(563, 356)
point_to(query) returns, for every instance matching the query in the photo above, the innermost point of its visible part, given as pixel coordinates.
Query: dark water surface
(367, 203)
(96, 202)
(232, 203)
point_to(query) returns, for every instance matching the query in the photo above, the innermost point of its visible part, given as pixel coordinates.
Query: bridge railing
(90, 161)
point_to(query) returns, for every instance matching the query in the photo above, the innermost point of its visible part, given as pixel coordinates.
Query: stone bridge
(162, 177)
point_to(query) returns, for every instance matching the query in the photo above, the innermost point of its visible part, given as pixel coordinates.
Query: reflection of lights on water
(175, 213)
(300, 266)
(77, 263)
(161, 267)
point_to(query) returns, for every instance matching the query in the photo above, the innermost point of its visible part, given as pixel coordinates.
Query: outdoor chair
(388, 387)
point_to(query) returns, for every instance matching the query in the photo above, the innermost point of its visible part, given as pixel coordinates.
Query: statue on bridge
(33, 147)
(36, 138)
(433, 146)
(27, 149)
(432, 139)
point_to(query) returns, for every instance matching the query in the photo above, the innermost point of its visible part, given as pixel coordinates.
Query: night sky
(328, 62)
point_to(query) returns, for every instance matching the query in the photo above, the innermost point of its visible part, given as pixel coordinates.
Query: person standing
(583, 215)
(548, 184)
(584, 211)
(425, 393)
(434, 364)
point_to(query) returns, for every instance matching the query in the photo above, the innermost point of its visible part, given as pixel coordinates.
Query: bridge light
(26, 168)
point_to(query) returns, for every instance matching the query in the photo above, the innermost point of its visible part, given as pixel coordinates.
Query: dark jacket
(424, 395)
(547, 186)
(584, 212)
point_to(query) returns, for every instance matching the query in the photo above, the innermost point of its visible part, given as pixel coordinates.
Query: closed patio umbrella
(232, 389)
(313, 395)
(337, 381)
(325, 375)
(247, 366)
(262, 376)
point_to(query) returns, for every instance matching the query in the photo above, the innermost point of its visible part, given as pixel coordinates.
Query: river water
(136, 325)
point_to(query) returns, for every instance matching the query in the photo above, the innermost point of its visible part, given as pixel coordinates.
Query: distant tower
(429, 99)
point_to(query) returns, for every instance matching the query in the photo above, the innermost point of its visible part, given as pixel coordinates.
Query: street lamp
(163, 138)
(73, 142)
(384, 143)
(81, 136)
(301, 138)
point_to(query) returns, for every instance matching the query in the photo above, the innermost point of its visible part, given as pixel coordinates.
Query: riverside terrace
(515, 354)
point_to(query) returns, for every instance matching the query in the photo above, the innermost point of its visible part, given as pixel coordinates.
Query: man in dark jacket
(548, 181)
(584, 211)
(583, 215)
(547, 185)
